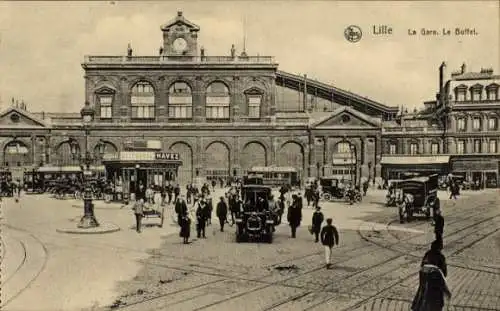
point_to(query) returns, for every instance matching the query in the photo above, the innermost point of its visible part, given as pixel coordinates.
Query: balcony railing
(178, 59)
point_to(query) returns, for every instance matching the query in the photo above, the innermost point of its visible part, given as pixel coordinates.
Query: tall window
(254, 102)
(217, 102)
(476, 123)
(493, 146)
(477, 146)
(434, 148)
(180, 101)
(106, 104)
(16, 154)
(461, 146)
(461, 124)
(143, 101)
(460, 94)
(492, 93)
(492, 123)
(413, 148)
(476, 94)
(392, 148)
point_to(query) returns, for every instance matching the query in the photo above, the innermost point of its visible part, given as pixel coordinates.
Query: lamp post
(353, 164)
(88, 220)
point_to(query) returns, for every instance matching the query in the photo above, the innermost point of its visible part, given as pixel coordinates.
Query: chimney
(202, 53)
(43, 115)
(161, 50)
(442, 69)
(179, 13)
(463, 68)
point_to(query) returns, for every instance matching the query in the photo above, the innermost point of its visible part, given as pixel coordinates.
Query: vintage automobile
(33, 182)
(419, 194)
(255, 220)
(331, 190)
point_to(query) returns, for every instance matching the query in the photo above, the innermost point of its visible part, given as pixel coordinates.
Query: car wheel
(326, 196)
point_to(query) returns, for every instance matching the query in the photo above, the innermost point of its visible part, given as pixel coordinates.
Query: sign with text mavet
(167, 156)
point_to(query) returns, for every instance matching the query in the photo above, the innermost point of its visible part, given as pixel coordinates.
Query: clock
(180, 45)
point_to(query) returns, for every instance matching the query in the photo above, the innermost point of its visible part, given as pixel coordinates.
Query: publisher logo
(353, 33)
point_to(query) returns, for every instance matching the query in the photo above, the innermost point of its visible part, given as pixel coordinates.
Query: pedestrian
(294, 215)
(188, 193)
(185, 224)
(201, 220)
(177, 192)
(221, 212)
(329, 238)
(209, 207)
(438, 226)
(170, 189)
(317, 221)
(180, 209)
(432, 281)
(139, 213)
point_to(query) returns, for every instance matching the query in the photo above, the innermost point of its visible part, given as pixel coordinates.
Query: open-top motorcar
(419, 194)
(256, 220)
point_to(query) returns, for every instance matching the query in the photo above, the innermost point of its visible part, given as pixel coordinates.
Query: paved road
(375, 264)
(375, 267)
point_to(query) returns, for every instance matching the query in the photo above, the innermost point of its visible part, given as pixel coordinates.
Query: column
(236, 161)
(485, 123)
(236, 100)
(198, 157)
(274, 149)
(364, 157)
(469, 146)
(469, 123)
(327, 168)
(453, 124)
(121, 107)
(198, 100)
(425, 147)
(162, 104)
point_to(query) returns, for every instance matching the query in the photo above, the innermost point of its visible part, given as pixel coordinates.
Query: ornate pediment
(254, 91)
(346, 117)
(15, 117)
(105, 90)
(179, 23)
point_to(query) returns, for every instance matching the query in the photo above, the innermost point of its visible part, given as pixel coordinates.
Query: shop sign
(142, 144)
(167, 156)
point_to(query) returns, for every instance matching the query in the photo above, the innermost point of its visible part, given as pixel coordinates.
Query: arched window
(492, 92)
(461, 124)
(476, 92)
(492, 123)
(16, 153)
(180, 101)
(393, 149)
(104, 100)
(217, 101)
(493, 146)
(143, 101)
(434, 147)
(413, 148)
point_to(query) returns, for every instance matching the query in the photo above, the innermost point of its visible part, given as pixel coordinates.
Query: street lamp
(353, 161)
(88, 220)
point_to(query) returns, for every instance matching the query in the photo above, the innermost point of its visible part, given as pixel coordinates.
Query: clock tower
(180, 37)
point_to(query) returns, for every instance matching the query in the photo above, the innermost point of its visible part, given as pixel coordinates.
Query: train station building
(222, 115)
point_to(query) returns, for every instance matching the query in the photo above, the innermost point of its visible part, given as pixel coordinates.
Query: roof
(475, 76)
(415, 160)
(354, 112)
(27, 114)
(279, 169)
(179, 19)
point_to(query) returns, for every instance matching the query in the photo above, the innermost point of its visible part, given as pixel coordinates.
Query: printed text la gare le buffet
(457, 31)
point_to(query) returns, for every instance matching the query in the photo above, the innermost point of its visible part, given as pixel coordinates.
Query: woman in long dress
(185, 228)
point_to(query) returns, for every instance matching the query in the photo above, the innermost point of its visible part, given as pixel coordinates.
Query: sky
(42, 44)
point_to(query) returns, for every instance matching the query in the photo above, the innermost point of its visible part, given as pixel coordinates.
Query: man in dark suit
(221, 212)
(438, 226)
(329, 238)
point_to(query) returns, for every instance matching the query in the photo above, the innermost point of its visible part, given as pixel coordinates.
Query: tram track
(415, 259)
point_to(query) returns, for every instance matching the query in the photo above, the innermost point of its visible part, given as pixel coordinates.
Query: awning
(49, 169)
(71, 168)
(274, 169)
(415, 160)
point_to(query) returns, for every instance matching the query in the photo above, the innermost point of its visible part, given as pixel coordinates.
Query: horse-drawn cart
(419, 196)
(151, 211)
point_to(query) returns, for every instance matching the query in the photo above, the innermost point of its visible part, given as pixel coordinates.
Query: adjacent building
(223, 115)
